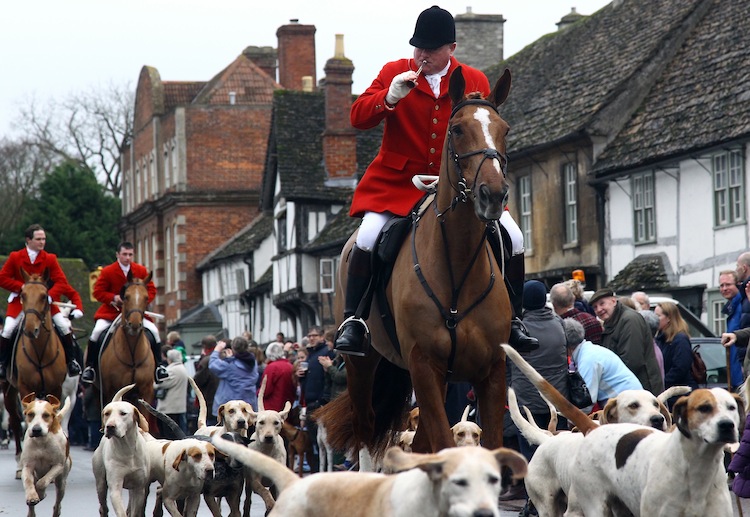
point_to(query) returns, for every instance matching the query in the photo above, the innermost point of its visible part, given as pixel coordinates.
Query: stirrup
(349, 348)
(74, 369)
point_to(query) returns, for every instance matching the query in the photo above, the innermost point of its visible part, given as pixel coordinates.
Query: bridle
(125, 321)
(463, 192)
(41, 315)
(451, 315)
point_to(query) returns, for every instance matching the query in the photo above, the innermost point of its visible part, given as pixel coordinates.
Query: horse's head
(475, 155)
(134, 297)
(35, 302)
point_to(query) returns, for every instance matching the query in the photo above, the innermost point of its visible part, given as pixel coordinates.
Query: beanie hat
(435, 28)
(534, 295)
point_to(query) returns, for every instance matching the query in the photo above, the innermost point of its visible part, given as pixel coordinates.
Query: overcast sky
(50, 48)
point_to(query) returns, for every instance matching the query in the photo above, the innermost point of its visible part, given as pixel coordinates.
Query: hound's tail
(66, 407)
(201, 403)
(674, 391)
(267, 467)
(569, 411)
(530, 431)
(122, 391)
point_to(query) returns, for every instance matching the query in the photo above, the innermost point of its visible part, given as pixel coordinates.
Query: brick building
(193, 171)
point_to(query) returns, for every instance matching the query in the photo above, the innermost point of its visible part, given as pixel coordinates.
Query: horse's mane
(475, 95)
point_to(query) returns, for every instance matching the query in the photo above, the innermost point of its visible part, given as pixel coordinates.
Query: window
(174, 164)
(524, 207)
(570, 181)
(168, 259)
(239, 277)
(137, 189)
(166, 166)
(729, 207)
(152, 180)
(153, 253)
(281, 232)
(644, 226)
(327, 272)
(718, 320)
(175, 259)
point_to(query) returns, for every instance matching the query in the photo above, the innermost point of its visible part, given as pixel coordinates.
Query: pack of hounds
(634, 459)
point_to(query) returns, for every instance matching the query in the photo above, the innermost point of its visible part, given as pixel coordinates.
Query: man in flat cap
(626, 333)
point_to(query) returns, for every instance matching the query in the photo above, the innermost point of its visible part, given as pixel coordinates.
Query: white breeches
(101, 325)
(515, 233)
(369, 229)
(373, 222)
(61, 322)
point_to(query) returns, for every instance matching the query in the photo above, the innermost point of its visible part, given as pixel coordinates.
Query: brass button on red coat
(433, 135)
(434, 121)
(432, 150)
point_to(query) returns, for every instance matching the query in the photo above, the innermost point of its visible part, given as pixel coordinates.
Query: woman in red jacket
(416, 112)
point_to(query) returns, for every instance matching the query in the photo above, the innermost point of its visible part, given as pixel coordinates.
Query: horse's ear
(45, 275)
(148, 278)
(24, 274)
(130, 276)
(501, 90)
(457, 86)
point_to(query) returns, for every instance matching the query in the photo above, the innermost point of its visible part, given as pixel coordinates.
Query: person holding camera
(237, 371)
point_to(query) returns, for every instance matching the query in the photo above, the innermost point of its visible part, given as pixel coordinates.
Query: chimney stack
(296, 54)
(479, 39)
(339, 137)
(569, 19)
(264, 58)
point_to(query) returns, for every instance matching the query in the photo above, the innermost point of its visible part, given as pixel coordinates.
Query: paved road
(80, 498)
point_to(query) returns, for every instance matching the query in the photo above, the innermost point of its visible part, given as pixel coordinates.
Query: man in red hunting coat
(411, 95)
(107, 291)
(34, 260)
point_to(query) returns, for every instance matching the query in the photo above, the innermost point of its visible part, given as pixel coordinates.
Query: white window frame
(168, 258)
(644, 207)
(175, 259)
(327, 275)
(524, 209)
(729, 187)
(570, 183)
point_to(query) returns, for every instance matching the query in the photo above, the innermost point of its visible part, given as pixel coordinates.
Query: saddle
(111, 331)
(387, 247)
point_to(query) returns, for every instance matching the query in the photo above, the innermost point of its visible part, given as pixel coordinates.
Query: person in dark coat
(674, 343)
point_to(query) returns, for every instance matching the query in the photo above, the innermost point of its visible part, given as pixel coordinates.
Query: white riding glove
(399, 89)
(76, 313)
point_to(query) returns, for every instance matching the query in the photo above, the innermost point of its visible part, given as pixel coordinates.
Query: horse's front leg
(360, 376)
(490, 393)
(429, 389)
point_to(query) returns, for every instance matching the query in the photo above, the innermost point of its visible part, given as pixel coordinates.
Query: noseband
(40, 315)
(461, 187)
(125, 321)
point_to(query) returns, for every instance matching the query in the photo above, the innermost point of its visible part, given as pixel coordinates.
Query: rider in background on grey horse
(416, 111)
(34, 260)
(107, 291)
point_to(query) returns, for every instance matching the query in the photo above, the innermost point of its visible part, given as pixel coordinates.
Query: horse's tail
(569, 411)
(201, 403)
(391, 396)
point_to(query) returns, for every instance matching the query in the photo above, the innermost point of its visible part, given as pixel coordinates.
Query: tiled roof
(201, 315)
(296, 150)
(564, 82)
(263, 285)
(180, 93)
(242, 243)
(701, 100)
(250, 84)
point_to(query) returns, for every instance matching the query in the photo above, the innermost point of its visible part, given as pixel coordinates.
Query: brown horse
(39, 366)
(128, 359)
(449, 301)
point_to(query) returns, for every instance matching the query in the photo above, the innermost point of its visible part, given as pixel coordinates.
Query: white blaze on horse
(446, 293)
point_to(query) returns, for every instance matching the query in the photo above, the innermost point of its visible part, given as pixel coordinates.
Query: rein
(451, 314)
(37, 361)
(132, 345)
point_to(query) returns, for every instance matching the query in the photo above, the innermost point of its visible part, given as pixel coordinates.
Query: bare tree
(22, 168)
(89, 128)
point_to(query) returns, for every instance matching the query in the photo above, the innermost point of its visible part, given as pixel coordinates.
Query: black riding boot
(160, 373)
(70, 346)
(514, 279)
(92, 358)
(5, 346)
(351, 335)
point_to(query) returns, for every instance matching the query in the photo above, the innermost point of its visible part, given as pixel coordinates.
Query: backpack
(698, 367)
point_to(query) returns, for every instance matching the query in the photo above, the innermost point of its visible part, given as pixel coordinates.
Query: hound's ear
(53, 401)
(609, 413)
(680, 416)
(28, 399)
(140, 420)
(512, 459)
(665, 413)
(179, 459)
(220, 415)
(399, 461)
(740, 408)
